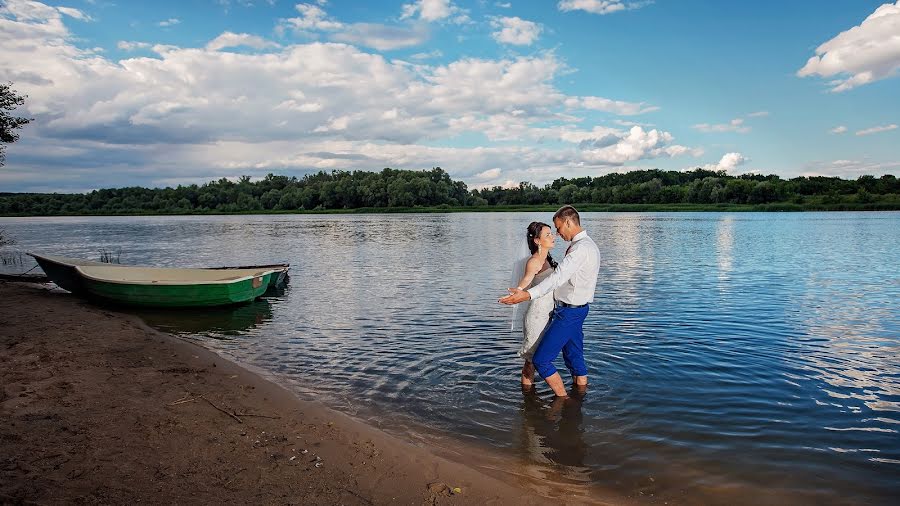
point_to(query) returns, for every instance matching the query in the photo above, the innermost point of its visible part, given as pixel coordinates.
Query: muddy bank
(97, 408)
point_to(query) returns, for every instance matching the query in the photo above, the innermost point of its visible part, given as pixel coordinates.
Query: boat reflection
(216, 323)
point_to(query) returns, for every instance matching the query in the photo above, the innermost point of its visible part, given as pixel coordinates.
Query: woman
(538, 266)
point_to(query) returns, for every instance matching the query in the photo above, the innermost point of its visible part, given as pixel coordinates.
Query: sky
(155, 94)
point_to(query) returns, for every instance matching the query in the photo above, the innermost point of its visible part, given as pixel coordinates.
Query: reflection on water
(552, 431)
(215, 322)
(734, 358)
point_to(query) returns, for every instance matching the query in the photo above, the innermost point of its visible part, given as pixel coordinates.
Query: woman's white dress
(536, 318)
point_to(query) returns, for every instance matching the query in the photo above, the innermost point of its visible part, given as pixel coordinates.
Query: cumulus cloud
(729, 162)
(877, 129)
(229, 39)
(301, 107)
(312, 17)
(599, 6)
(515, 31)
(434, 10)
(838, 129)
(861, 55)
(169, 22)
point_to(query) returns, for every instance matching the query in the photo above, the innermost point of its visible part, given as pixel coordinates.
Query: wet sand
(96, 407)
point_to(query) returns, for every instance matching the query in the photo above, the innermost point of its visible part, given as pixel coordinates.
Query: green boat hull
(189, 295)
(70, 274)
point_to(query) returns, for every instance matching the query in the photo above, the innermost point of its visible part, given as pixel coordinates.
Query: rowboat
(279, 278)
(156, 286)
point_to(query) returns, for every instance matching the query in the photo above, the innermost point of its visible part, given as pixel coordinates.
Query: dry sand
(96, 407)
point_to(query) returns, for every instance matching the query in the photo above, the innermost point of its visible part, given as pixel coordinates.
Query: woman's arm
(532, 267)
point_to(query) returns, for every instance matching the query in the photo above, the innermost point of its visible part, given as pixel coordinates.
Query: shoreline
(97, 406)
(773, 207)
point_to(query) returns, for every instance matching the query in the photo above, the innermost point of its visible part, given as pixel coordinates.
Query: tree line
(409, 189)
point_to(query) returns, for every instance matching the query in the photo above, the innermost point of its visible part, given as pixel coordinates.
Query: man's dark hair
(568, 213)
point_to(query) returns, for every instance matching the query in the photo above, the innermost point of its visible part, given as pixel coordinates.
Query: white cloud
(488, 175)
(427, 56)
(311, 17)
(861, 55)
(729, 162)
(735, 125)
(382, 37)
(169, 22)
(503, 5)
(630, 124)
(74, 13)
(515, 31)
(838, 129)
(758, 114)
(373, 35)
(125, 45)
(614, 106)
(304, 106)
(229, 39)
(848, 169)
(599, 6)
(434, 10)
(877, 129)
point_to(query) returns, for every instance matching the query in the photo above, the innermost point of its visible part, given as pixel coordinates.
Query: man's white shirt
(575, 279)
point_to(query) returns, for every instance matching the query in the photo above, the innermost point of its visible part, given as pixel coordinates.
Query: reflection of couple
(559, 296)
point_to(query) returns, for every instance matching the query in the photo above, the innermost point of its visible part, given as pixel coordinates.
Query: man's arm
(570, 263)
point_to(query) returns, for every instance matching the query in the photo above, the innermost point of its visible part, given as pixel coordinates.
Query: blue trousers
(565, 333)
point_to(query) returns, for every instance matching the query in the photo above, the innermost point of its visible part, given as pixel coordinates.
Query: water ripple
(734, 358)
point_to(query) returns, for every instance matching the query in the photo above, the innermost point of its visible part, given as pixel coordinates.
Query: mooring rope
(29, 270)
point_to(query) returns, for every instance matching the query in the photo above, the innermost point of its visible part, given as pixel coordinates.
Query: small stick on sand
(260, 416)
(182, 401)
(232, 415)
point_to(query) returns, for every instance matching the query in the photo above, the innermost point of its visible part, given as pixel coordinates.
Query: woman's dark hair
(534, 230)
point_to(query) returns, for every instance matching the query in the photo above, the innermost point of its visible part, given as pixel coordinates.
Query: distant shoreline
(619, 208)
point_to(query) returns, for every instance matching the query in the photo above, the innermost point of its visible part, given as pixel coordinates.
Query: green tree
(9, 100)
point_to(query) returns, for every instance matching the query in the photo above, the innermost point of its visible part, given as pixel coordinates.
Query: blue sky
(165, 93)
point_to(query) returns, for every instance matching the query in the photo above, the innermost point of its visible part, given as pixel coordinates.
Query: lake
(734, 358)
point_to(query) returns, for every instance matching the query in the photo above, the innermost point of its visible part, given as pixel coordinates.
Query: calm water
(735, 358)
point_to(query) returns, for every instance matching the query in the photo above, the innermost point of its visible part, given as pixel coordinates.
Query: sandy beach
(96, 407)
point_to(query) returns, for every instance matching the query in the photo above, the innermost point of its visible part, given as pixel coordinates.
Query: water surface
(734, 358)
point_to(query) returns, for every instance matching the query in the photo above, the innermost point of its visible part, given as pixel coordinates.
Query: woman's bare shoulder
(534, 264)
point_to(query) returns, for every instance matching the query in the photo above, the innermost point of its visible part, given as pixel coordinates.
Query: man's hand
(515, 296)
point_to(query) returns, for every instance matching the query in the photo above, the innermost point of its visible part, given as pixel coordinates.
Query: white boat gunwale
(85, 271)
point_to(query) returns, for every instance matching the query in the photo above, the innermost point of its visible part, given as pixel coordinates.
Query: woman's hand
(515, 296)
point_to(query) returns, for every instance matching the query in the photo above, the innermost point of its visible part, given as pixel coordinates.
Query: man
(573, 284)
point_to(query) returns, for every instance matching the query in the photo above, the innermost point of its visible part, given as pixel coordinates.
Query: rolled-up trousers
(564, 333)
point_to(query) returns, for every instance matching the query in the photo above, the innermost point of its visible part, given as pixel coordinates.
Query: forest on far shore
(411, 190)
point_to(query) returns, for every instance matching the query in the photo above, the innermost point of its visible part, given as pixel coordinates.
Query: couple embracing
(559, 294)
